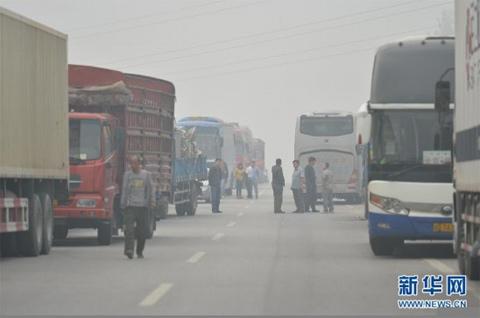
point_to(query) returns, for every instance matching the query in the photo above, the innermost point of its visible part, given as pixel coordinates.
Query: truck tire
(47, 230)
(180, 209)
(382, 246)
(104, 233)
(151, 224)
(31, 240)
(60, 232)
(191, 206)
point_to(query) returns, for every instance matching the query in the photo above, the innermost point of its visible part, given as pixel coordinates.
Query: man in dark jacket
(311, 185)
(215, 175)
(278, 183)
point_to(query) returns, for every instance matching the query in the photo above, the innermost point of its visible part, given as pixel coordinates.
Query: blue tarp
(186, 169)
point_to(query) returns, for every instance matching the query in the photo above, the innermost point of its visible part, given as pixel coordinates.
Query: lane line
(156, 295)
(217, 236)
(196, 257)
(231, 224)
(439, 265)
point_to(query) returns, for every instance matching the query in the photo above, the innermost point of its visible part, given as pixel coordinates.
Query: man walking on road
(215, 175)
(135, 202)
(298, 182)
(327, 187)
(278, 182)
(252, 175)
(311, 185)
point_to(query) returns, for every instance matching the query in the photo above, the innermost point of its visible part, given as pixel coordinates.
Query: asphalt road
(246, 261)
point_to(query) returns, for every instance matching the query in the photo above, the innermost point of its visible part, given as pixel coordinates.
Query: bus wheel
(382, 246)
(104, 233)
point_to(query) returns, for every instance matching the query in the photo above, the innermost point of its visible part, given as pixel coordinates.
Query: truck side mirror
(442, 96)
(119, 138)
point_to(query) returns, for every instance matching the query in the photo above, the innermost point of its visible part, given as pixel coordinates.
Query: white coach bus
(330, 137)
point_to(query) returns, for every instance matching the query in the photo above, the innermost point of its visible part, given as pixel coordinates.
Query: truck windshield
(408, 73)
(412, 145)
(85, 141)
(326, 126)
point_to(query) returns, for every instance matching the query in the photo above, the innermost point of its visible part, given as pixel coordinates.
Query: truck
(466, 152)
(114, 116)
(34, 165)
(189, 173)
(409, 170)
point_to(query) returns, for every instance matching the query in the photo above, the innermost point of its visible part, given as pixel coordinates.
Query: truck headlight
(390, 205)
(86, 203)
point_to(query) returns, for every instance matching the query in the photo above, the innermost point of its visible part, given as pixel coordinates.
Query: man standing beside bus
(215, 176)
(298, 182)
(135, 202)
(327, 187)
(278, 182)
(311, 185)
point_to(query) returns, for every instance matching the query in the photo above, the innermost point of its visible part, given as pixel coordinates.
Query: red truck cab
(93, 177)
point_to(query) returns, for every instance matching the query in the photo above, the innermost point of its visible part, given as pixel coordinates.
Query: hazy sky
(257, 62)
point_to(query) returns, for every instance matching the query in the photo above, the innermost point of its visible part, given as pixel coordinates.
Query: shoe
(129, 255)
(219, 211)
(140, 255)
(279, 212)
(297, 211)
(315, 211)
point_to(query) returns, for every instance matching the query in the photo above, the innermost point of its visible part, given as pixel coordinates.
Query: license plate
(443, 227)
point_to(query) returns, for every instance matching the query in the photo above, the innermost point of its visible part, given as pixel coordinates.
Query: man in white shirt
(252, 182)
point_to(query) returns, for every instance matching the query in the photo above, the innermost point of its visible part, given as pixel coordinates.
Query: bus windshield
(408, 73)
(85, 139)
(410, 142)
(326, 126)
(208, 141)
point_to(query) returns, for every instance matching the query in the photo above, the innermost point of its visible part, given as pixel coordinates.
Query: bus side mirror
(442, 96)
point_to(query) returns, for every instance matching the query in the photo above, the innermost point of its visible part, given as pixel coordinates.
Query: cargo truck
(34, 165)
(113, 116)
(466, 171)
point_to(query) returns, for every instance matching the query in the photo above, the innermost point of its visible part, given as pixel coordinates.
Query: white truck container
(467, 137)
(34, 163)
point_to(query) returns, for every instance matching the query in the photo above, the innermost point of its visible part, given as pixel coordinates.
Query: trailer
(466, 154)
(114, 116)
(34, 166)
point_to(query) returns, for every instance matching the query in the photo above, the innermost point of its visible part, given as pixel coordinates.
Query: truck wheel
(180, 209)
(60, 232)
(191, 206)
(31, 240)
(104, 233)
(382, 246)
(47, 230)
(152, 224)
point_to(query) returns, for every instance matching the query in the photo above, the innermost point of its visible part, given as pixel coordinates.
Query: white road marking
(156, 295)
(240, 214)
(440, 266)
(231, 224)
(196, 257)
(218, 236)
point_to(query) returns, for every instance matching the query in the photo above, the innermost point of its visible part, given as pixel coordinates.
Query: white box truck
(34, 163)
(466, 171)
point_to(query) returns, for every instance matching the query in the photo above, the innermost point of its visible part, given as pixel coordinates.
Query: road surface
(246, 261)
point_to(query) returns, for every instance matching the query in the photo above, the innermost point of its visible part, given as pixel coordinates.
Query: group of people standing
(303, 186)
(247, 178)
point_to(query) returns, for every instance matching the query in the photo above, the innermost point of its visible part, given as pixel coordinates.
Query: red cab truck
(113, 116)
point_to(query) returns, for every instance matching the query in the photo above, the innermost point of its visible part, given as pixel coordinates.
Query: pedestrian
(239, 179)
(215, 182)
(253, 173)
(327, 189)
(311, 185)
(298, 183)
(135, 201)
(278, 183)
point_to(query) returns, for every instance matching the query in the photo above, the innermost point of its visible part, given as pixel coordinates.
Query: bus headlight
(389, 205)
